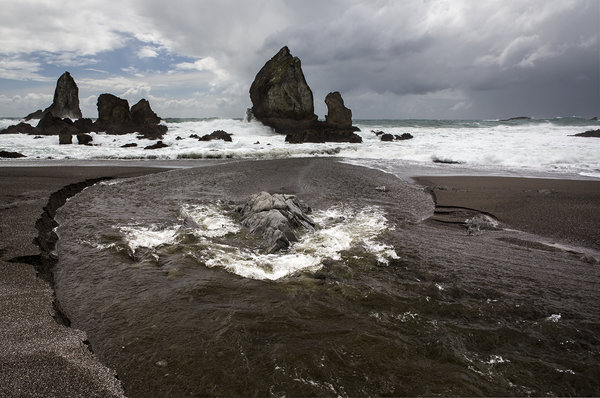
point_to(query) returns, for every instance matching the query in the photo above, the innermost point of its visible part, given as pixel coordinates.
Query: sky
(390, 59)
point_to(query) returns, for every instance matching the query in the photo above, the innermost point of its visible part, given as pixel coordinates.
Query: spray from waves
(343, 231)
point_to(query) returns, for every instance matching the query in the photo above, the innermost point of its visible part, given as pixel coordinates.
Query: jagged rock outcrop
(276, 218)
(115, 117)
(35, 115)
(66, 98)
(337, 113)
(216, 135)
(52, 125)
(282, 99)
(21, 128)
(142, 114)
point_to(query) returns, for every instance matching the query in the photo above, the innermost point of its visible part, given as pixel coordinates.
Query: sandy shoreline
(565, 210)
(41, 356)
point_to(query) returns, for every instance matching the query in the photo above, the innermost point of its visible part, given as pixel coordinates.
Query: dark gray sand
(565, 210)
(38, 356)
(41, 357)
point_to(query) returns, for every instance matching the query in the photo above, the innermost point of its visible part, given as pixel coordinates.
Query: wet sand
(564, 210)
(39, 356)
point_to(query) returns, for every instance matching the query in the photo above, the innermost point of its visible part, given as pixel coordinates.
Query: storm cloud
(389, 59)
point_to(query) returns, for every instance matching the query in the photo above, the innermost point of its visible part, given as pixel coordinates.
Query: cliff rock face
(337, 114)
(279, 93)
(282, 100)
(66, 99)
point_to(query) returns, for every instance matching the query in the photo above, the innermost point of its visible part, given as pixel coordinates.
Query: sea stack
(280, 96)
(115, 117)
(66, 99)
(282, 99)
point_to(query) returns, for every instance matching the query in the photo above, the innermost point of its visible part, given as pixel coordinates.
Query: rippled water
(180, 300)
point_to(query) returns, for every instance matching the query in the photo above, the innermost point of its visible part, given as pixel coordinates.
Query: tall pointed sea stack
(280, 96)
(66, 98)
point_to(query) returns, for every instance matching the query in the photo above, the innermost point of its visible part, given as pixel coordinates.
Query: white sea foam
(209, 220)
(490, 146)
(341, 229)
(150, 236)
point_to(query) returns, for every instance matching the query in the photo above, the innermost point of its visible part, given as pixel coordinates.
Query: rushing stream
(181, 300)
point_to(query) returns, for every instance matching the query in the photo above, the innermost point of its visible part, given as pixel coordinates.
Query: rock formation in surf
(115, 117)
(589, 133)
(337, 113)
(282, 99)
(66, 99)
(276, 218)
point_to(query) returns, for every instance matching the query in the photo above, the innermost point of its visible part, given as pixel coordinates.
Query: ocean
(489, 146)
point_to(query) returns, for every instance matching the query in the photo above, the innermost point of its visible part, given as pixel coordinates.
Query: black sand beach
(565, 210)
(41, 357)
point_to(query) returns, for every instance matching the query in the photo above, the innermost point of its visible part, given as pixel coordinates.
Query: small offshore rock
(158, 145)
(216, 135)
(387, 137)
(65, 137)
(84, 139)
(11, 155)
(404, 136)
(589, 133)
(130, 145)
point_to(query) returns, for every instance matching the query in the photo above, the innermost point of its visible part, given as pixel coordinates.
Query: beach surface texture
(41, 356)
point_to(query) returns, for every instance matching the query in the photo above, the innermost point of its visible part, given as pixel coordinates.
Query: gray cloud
(418, 58)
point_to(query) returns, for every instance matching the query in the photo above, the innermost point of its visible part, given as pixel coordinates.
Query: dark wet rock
(142, 114)
(337, 113)
(195, 136)
(595, 118)
(321, 132)
(444, 161)
(84, 139)
(114, 117)
(404, 136)
(158, 145)
(589, 133)
(84, 125)
(279, 91)
(65, 137)
(66, 99)
(377, 132)
(35, 115)
(11, 155)
(282, 100)
(387, 137)
(52, 125)
(516, 118)
(217, 135)
(21, 128)
(129, 145)
(276, 218)
(178, 138)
